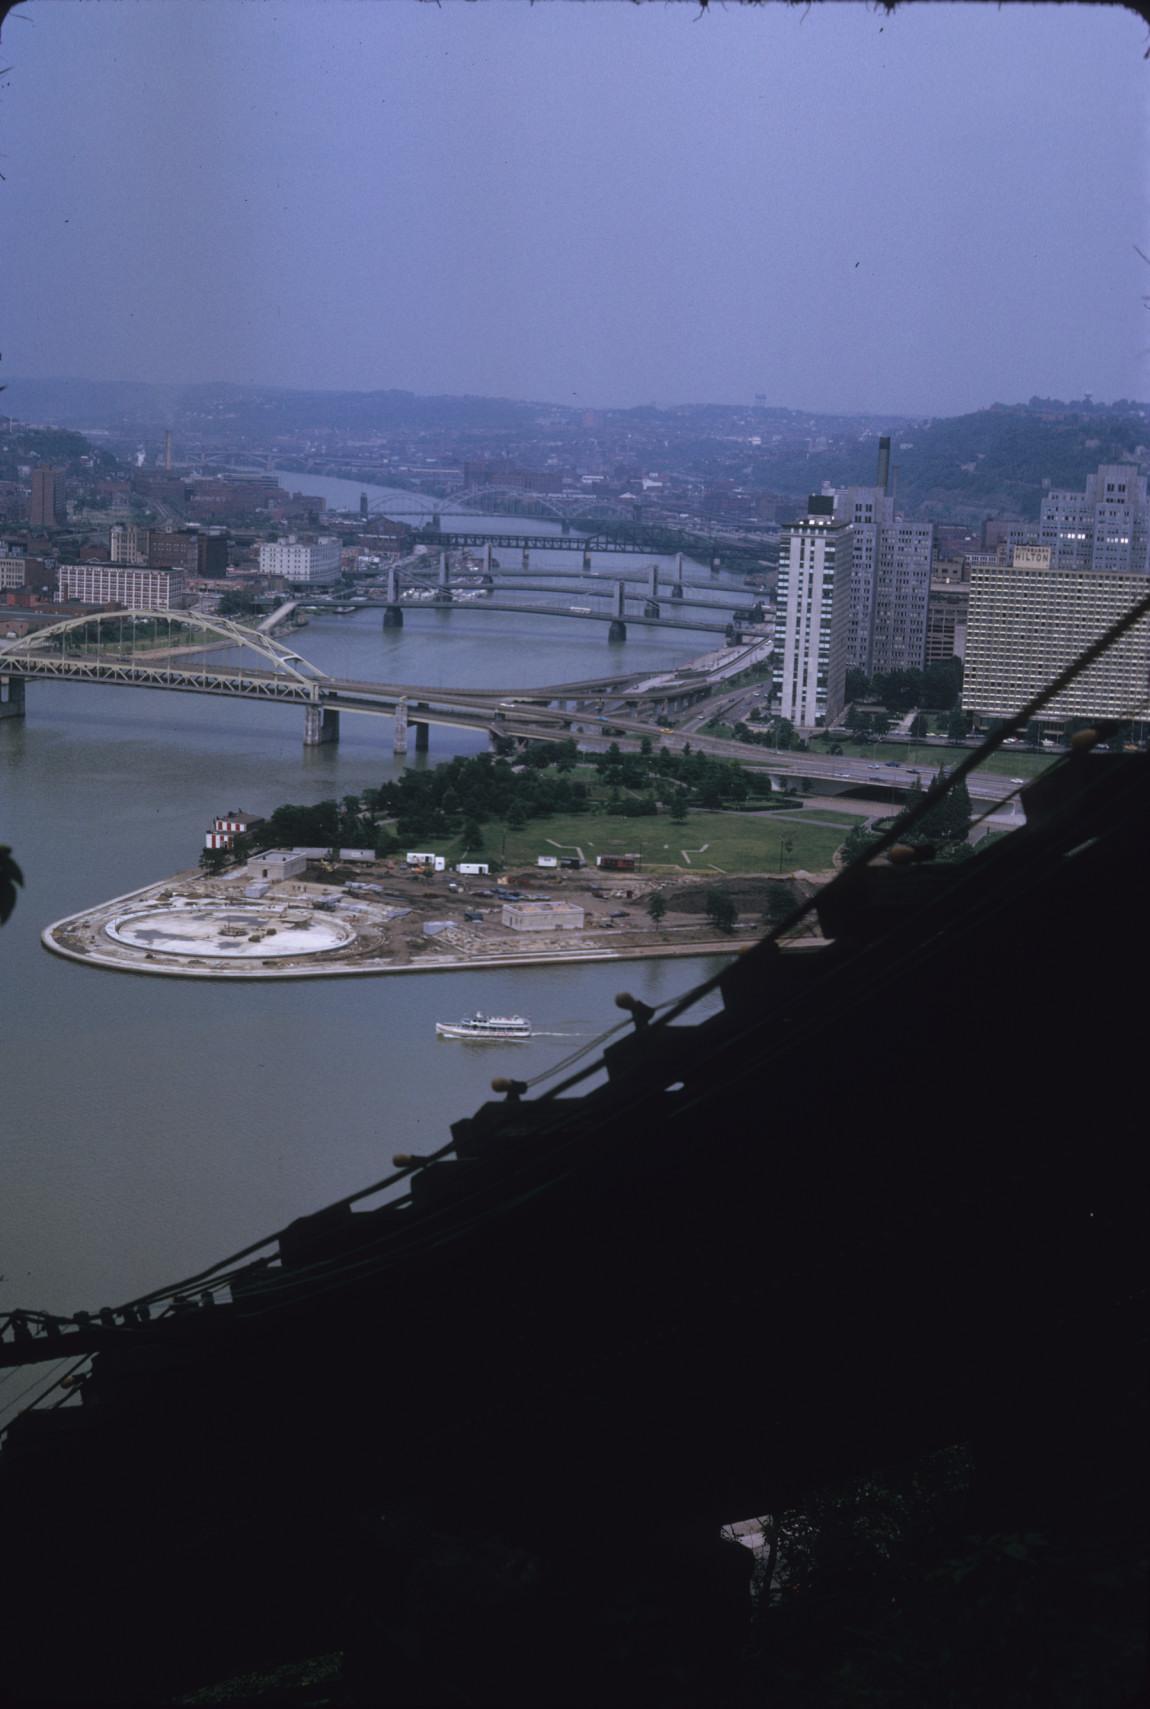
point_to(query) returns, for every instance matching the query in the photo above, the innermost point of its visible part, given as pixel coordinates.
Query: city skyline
(602, 207)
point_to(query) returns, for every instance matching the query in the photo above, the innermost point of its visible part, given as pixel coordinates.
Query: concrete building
(812, 615)
(128, 544)
(890, 577)
(122, 584)
(314, 563)
(193, 553)
(24, 572)
(901, 596)
(277, 863)
(1028, 619)
(868, 510)
(543, 916)
(1106, 527)
(947, 609)
(47, 506)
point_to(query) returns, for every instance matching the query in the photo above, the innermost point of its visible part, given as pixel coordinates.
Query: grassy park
(713, 842)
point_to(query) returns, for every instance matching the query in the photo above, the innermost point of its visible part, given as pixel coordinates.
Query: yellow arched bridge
(149, 649)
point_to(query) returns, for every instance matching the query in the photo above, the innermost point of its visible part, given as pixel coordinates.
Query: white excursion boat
(477, 1026)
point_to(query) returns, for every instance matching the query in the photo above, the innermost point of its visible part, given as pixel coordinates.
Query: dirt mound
(769, 897)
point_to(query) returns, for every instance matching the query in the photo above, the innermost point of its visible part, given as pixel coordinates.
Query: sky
(601, 204)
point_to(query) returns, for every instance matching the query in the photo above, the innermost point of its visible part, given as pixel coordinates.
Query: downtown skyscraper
(889, 577)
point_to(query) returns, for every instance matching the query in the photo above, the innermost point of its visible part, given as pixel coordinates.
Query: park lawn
(730, 842)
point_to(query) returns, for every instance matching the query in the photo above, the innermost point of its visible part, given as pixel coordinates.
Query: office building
(47, 507)
(890, 577)
(1030, 617)
(313, 563)
(121, 584)
(812, 615)
(1106, 527)
(189, 551)
(901, 596)
(128, 544)
(868, 510)
(947, 609)
(23, 572)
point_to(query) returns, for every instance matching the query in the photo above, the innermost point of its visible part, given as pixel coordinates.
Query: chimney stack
(884, 463)
(168, 450)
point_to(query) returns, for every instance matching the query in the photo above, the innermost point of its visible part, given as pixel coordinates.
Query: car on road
(895, 763)
(1017, 780)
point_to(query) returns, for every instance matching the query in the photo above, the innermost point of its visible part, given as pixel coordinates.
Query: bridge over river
(79, 650)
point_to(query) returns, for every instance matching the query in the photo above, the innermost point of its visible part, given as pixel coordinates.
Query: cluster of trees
(465, 794)
(679, 780)
(945, 828)
(938, 686)
(236, 602)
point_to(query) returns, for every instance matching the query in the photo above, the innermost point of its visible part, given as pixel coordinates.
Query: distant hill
(959, 467)
(219, 408)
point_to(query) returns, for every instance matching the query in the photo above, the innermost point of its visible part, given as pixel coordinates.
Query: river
(151, 1126)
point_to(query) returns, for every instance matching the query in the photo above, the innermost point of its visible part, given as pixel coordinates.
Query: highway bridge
(77, 651)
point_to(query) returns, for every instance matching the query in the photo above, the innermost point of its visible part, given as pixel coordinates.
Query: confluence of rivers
(151, 1126)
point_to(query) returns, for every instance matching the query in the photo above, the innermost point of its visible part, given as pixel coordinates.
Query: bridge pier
(586, 557)
(393, 611)
(399, 745)
(616, 630)
(321, 726)
(422, 735)
(677, 589)
(651, 608)
(526, 559)
(12, 690)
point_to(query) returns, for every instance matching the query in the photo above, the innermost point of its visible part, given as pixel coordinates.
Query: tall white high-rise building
(812, 615)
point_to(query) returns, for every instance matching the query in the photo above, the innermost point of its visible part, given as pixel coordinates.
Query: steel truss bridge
(91, 649)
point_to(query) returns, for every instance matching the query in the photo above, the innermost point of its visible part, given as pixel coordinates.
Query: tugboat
(483, 1027)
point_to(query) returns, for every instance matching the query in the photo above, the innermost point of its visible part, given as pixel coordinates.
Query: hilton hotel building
(1028, 619)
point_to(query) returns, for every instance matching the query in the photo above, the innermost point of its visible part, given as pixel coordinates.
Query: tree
(858, 684)
(721, 910)
(472, 835)
(645, 746)
(678, 809)
(213, 860)
(234, 602)
(656, 906)
(958, 724)
(918, 725)
(942, 684)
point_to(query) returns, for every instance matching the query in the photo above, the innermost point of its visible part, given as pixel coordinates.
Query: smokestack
(168, 450)
(884, 462)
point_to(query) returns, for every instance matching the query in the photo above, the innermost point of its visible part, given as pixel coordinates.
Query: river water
(151, 1126)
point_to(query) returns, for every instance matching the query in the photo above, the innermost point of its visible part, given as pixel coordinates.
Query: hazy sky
(602, 203)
